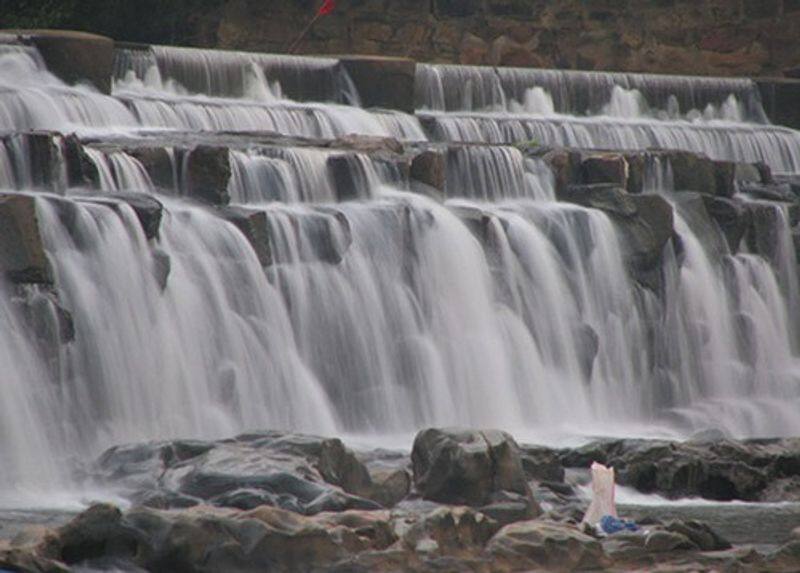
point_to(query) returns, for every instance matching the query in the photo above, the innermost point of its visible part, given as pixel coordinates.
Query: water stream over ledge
(380, 311)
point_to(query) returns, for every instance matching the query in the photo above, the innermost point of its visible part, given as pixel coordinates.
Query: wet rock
(724, 174)
(75, 56)
(693, 172)
(466, 466)
(97, 532)
(22, 254)
(565, 165)
(304, 474)
(720, 469)
(388, 487)
(41, 150)
(541, 464)
(158, 163)
(731, 216)
(253, 225)
(371, 144)
(588, 346)
(747, 173)
(606, 168)
(447, 530)
(692, 208)
(350, 176)
(530, 545)
(162, 266)
(208, 172)
(383, 82)
(645, 235)
(507, 507)
(636, 173)
(699, 534)
(324, 236)
(148, 209)
(769, 191)
(429, 168)
(667, 541)
(606, 197)
(762, 233)
(81, 172)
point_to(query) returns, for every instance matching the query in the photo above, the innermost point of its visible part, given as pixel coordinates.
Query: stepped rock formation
(198, 244)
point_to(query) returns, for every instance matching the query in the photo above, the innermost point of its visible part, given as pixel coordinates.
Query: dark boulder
(208, 172)
(159, 165)
(74, 56)
(731, 216)
(81, 170)
(253, 225)
(605, 168)
(636, 172)
(97, 532)
(147, 208)
(546, 545)
(466, 466)
(692, 208)
(724, 173)
(162, 267)
(769, 191)
(351, 180)
(304, 474)
(566, 167)
(323, 235)
(383, 82)
(693, 172)
(762, 235)
(612, 199)
(22, 253)
(429, 168)
(541, 464)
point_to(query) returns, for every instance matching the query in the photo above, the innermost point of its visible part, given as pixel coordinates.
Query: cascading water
(377, 310)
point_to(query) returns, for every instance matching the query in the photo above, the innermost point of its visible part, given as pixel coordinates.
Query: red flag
(327, 7)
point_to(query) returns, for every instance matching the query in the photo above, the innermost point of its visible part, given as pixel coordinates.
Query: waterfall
(332, 298)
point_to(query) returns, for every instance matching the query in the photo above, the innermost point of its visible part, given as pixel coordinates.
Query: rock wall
(704, 37)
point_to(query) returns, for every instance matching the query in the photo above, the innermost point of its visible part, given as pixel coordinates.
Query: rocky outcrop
(731, 216)
(253, 225)
(147, 208)
(383, 82)
(429, 168)
(22, 254)
(74, 56)
(208, 172)
(544, 545)
(466, 466)
(645, 222)
(235, 505)
(303, 474)
(719, 470)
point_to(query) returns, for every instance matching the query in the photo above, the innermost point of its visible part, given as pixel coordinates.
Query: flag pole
(303, 34)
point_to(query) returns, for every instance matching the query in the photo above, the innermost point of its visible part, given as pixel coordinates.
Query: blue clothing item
(610, 524)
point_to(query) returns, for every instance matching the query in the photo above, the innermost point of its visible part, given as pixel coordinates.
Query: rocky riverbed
(463, 500)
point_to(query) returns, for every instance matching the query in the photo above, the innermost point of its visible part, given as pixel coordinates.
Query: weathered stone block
(74, 56)
(383, 82)
(780, 97)
(22, 254)
(253, 225)
(605, 169)
(429, 167)
(208, 172)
